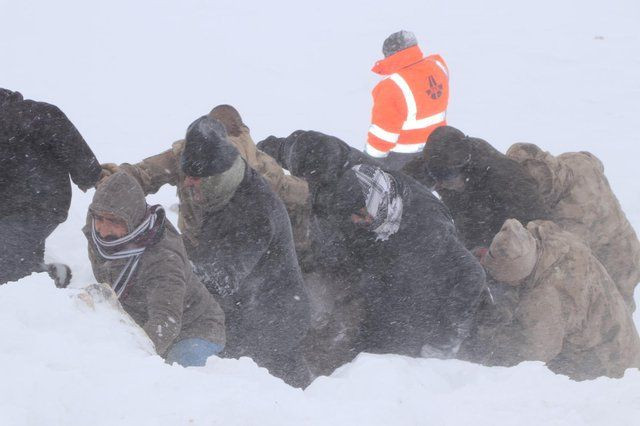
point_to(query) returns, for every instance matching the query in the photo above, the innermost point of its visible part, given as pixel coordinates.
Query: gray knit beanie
(398, 41)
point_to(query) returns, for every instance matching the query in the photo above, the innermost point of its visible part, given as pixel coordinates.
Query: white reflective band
(423, 123)
(376, 153)
(412, 109)
(412, 122)
(383, 134)
(442, 67)
(408, 148)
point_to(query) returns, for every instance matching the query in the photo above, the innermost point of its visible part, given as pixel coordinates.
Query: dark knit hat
(398, 41)
(207, 151)
(447, 151)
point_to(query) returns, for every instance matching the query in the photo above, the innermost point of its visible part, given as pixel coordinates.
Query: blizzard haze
(133, 75)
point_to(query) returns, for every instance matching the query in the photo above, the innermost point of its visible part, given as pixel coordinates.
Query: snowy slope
(68, 363)
(133, 75)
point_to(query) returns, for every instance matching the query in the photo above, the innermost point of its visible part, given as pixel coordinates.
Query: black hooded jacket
(318, 158)
(421, 285)
(39, 149)
(245, 256)
(496, 187)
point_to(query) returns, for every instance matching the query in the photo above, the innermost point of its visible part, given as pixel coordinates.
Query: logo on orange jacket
(435, 89)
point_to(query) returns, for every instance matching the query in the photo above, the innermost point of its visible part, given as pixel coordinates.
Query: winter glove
(59, 273)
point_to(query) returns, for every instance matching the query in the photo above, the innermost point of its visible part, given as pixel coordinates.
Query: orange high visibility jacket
(409, 103)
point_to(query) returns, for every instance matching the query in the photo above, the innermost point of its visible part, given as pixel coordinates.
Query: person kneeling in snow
(237, 233)
(133, 248)
(561, 306)
(577, 194)
(481, 186)
(420, 285)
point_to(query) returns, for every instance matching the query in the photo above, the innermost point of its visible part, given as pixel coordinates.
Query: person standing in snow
(238, 235)
(562, 307)
(409, 103)
(134, 249)
(421, 286)
(481, 186)
(39, 150)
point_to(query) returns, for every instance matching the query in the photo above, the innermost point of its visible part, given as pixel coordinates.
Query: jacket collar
(397, 61)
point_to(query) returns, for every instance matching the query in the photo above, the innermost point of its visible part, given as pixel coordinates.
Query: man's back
(39, 148)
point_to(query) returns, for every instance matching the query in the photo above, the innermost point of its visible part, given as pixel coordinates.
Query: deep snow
(133, 75)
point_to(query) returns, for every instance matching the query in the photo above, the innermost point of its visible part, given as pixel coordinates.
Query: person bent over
(555, 303)
(577, 194)
(396, 244)
(133, 248)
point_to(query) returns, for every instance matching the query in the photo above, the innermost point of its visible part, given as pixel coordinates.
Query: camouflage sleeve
(154, 172)
(542, 329)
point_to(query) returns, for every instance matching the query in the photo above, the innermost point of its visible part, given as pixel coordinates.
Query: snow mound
(73, 357)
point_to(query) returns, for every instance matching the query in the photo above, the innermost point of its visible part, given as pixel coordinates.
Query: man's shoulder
(386, 85)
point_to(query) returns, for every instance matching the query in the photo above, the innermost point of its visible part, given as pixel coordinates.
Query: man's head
(398, 41)
(109, 226)
(368, 198)
(447, 153)
(230, 118)
(207, 152)
(118, 206)
(512, 255)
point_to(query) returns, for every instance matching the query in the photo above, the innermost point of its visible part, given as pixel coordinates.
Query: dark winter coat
(165, 297)
(421, 285)
(318, 158)
(245, 255)
(496, 187)
(39, 149)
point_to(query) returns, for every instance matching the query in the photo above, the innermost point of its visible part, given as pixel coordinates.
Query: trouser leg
(22, 247)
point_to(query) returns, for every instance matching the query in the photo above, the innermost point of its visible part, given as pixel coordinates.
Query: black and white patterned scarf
(383, 201)
(131, 246)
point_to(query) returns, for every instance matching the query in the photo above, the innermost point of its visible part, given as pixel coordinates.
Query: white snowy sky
(133, 74)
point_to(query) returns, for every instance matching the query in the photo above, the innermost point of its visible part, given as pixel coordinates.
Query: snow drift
(72, 357)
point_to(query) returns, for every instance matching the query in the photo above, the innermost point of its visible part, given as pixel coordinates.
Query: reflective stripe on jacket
(409, 104)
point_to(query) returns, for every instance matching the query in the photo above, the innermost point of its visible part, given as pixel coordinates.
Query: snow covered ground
(133, 75)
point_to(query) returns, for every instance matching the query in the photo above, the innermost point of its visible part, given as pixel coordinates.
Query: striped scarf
(131, 246)
(383, 202)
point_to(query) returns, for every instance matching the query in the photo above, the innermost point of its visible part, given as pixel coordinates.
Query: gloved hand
(107, 170)
(59, 273)
(110, 168)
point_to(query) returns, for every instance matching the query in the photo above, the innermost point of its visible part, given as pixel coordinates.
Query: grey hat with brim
(398, 41)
